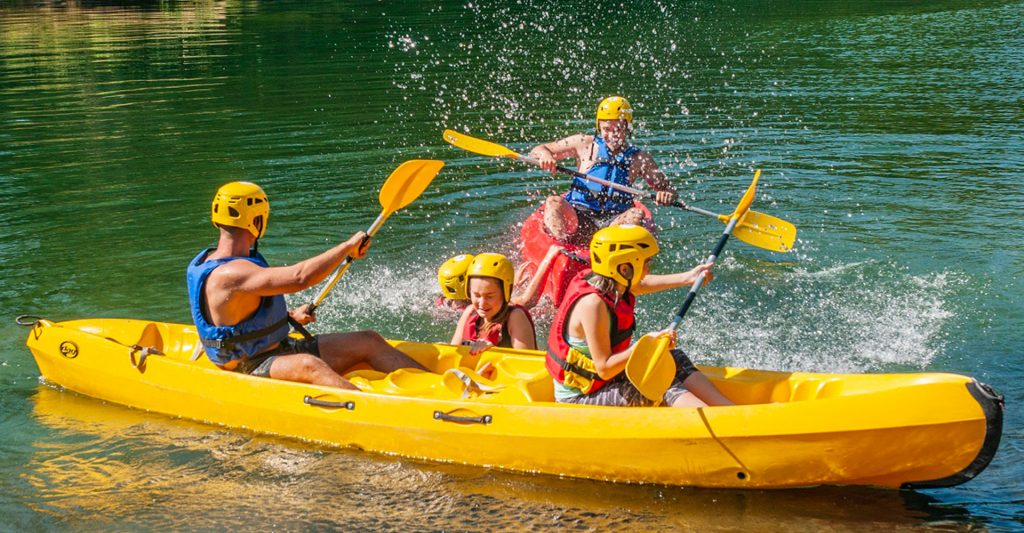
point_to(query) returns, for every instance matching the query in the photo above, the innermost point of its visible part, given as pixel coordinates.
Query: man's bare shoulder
(575, 141)
(232, 273)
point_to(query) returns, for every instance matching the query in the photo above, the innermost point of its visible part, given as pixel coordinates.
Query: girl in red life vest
(491, 319)
(591, 336)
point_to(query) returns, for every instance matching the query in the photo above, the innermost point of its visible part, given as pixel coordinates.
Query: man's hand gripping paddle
(404, 185)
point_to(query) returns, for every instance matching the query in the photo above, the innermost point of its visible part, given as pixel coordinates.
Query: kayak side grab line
(448, 417)
(309, 400)
(743, 473)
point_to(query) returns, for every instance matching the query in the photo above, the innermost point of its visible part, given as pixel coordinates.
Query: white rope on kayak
(470, 385)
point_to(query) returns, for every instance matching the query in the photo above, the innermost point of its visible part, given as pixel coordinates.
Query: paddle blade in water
(650, 368)
(765, 231)
(407, 183)
(477, 146)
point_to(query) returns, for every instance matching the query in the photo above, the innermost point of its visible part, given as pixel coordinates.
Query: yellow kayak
(790, 429)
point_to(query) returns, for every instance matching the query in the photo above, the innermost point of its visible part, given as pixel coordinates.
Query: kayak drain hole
(741, 475)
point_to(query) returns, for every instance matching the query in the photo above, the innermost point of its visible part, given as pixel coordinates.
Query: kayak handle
(309, 400)
(486, 419)
(27, 320)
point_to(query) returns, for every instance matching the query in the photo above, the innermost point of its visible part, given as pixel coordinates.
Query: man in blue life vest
(588, 206)
(238, 306)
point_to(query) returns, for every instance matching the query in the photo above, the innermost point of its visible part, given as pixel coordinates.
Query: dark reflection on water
(117, 467)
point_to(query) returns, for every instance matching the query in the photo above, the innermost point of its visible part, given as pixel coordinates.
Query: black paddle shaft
(630, 190)
(692, 295)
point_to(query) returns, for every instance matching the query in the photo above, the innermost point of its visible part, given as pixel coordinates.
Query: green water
(891, 133)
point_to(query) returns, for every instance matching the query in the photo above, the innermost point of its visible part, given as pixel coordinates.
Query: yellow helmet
(619, 245)
(452, 277)
(494, 266)
(614, 108)
(241, 204)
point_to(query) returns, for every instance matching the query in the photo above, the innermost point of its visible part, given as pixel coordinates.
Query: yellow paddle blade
(477, 146)
(650, 368)
(748, 197)
(765, 231)
(407, 182)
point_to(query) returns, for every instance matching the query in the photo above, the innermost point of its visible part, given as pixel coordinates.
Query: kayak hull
(792, 429)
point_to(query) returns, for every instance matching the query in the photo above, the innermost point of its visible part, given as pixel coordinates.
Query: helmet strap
(629, 280)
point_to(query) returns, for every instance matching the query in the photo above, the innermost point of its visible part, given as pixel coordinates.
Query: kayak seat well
(507, 384)
(803, 389)
(151, 338)
(419, 383)
(524, 383)
(435, 357)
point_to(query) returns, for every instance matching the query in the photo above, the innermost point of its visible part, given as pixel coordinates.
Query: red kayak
(535, 243)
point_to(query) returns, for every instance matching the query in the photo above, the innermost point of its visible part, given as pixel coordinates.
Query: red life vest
(497, 336)
(563, 362)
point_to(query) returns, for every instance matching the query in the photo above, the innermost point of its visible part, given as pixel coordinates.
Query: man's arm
(645, 167)
(246, 277)
(551, 153)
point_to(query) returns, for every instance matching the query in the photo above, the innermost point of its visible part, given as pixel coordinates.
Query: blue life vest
(266, 327)
(597, 197)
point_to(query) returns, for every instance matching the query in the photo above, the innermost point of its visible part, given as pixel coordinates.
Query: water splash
(855, 317)
(850, 317)
(397, 299)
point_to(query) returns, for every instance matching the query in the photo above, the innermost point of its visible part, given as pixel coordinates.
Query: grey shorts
(259, 365)
(619, 392)
(589, 223)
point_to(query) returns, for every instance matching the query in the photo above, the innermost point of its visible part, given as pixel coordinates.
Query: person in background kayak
(492, 319)
(452, 278)
(591, 336)
(588, 206)
(238, 306)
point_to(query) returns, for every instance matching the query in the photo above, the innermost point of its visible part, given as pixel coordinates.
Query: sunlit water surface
(889, 132)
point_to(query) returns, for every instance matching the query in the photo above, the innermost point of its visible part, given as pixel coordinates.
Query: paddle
(404, 185)
(648, 369)
(757, 229)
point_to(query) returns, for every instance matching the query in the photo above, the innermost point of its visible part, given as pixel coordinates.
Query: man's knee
(311, 364)
(633, 215)
(559, 217)
(555, 202)
(370, 337)
(298, 367)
